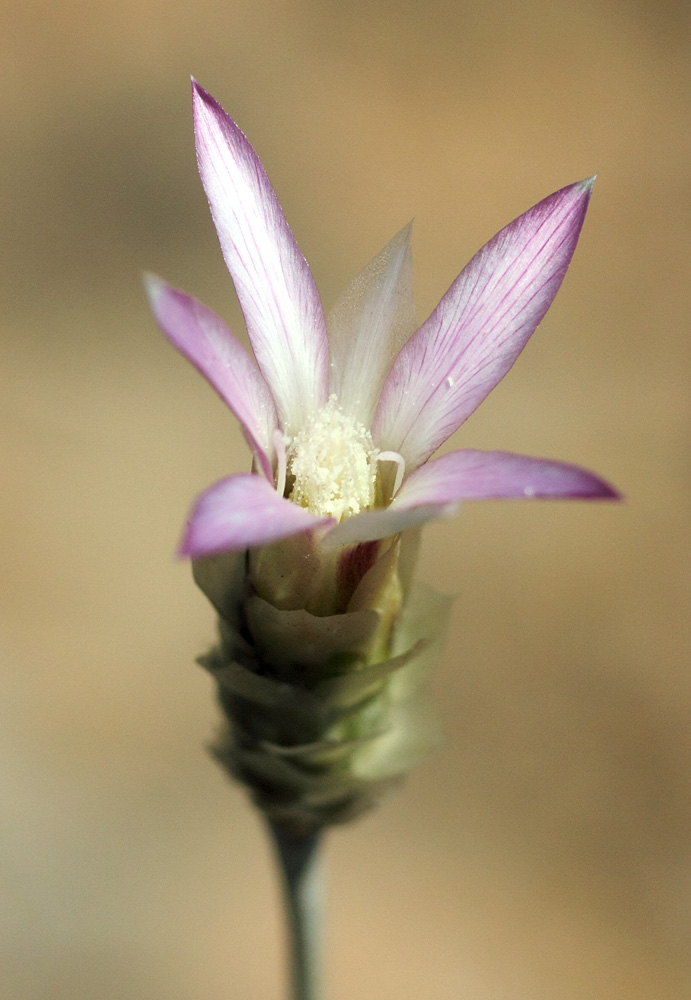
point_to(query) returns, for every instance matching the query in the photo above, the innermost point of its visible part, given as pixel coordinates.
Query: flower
(324, 637)
(343, 415)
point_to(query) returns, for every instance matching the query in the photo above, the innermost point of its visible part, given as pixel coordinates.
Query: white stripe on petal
(279, 299)
(369, 324)
(243, 512)
(479, 328)
(205, 340)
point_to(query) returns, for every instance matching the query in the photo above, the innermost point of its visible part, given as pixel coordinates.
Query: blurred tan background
(544, 852)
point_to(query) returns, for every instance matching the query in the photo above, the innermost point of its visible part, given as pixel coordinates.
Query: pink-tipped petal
(436, 488)
(497, 475)
(205, 340)
(243, 512)
(279, 299)
(368, 326)
(479, 328)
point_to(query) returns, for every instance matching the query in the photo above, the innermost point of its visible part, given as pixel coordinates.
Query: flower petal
(374, 524)
(369, 324)
(279, 299)
(436, 489)
(479, 328)
(205, 340)
(496, 475)
(243, 512)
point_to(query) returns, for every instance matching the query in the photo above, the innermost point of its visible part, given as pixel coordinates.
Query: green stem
(299, 860)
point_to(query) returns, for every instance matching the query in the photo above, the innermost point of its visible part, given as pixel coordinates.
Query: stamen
(332, 460)
(280, 441)
(393, 456)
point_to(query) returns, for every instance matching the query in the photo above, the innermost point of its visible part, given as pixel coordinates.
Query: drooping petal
(368, 326)
(242, 512)
(496, 475)
(479, 328)
(279, 299)
(205, 340)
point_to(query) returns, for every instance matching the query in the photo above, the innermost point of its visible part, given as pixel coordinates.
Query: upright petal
(205, 340)
(479, 328)
(497, 475)
(242, 512)
(368, 326)
(279, 299)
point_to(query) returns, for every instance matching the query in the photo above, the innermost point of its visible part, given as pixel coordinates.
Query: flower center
(333, 462)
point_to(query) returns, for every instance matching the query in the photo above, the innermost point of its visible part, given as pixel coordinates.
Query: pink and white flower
(342, 415)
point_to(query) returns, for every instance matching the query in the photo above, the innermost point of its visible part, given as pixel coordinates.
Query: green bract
(324, 713)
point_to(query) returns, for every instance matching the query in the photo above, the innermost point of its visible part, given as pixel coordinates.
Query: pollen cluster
(333, 462)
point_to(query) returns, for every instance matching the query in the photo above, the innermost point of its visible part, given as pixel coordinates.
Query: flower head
(342, 425)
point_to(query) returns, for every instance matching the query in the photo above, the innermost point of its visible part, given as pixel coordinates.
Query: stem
(299, 861)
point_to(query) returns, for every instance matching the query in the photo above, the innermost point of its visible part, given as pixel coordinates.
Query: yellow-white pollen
(334, 464)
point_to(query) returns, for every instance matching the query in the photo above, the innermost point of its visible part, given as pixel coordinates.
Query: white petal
(374, 524)
(369, 325)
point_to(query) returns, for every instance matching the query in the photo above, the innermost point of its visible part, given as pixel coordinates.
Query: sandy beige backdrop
(544, 853)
